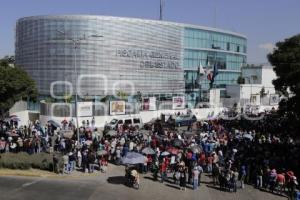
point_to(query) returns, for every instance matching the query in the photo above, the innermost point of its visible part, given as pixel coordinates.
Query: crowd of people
(232, 152)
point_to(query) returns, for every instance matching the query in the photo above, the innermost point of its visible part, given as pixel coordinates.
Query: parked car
(185, 120)
(133, 121)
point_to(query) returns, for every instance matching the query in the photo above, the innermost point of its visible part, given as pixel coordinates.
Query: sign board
(117, 107)
(274, 99)
(85, 109)
(255, 99)
(178, 102)
(214, 97)
(152, 103)
(149, 103)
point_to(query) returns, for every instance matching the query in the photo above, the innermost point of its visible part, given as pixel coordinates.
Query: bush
(23, 160)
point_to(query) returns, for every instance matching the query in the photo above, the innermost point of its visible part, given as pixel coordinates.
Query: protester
(226, 149)
(196, 175)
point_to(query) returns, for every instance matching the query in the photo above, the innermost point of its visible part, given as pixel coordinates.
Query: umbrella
(196, 149)
(64, 121)
(248, 136)
(189, 133)
(67, 133)
(88, 142)
(54, 123)
(133, 158)
(111, 133)
(165, 153)
(144, 132)
(173, 150)
(14, 134)
(148, 151)
(101, 152)
(177, 143)
(15, 119)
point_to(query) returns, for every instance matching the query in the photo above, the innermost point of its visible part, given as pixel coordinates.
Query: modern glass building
(133, 56)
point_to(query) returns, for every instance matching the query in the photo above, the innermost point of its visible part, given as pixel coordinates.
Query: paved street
(111, 186)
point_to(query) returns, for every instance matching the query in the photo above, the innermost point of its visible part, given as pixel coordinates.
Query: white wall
(233, 91)
(268, 75)
(18, 106)
(201, 113)
(24, 117)
(250, 72)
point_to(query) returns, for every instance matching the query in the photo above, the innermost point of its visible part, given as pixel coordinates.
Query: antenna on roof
(161, 9)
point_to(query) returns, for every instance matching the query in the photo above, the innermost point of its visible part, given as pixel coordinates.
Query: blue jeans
(66, 168)
(209, 168)
(259, 183)
(91, 168)
(195, 184)
(163, 176)
(145, 168)
(72, 165)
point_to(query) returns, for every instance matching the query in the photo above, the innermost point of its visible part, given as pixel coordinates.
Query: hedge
(43, 161)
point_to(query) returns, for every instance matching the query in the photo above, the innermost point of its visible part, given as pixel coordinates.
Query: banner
(149, 103)
(274, 99)
(214, 97)
(178, 102)
(255, 99)
(146, 103)
(85, 109)
(117, 107)
(152, 103)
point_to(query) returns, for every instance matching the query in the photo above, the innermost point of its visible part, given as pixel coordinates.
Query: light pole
(76, 41)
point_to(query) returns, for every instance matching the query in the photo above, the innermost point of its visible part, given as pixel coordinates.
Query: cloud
(267, 46)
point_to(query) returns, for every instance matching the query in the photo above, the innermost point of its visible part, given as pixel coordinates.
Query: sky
(264, 22)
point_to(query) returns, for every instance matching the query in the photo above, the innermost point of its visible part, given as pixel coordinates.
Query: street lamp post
(76, 42)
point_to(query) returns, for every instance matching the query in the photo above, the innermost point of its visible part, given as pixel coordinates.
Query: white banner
(178, 102)
(152, 103)
(85, 109)
(214, 97)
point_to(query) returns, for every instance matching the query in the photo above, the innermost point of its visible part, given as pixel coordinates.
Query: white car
(133, 121)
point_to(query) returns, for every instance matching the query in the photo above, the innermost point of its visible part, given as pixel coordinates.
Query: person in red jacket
(163, 170)
(281, 182)
(209, 163)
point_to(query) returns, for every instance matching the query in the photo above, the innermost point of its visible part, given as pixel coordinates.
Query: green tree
(262, 92)
(286, 62)
(15, 85)
(7, 61)
(240, 80)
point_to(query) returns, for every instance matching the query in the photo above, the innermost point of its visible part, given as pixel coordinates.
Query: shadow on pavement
(215, 187)
(150, 178)
(172, 186)
(277, 194)
(117, 180)
(207, 182)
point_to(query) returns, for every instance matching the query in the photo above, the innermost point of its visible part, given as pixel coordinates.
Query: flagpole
(199, 80)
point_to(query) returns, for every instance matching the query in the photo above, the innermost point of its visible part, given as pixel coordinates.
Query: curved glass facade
(153, 57)
(133, 54)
